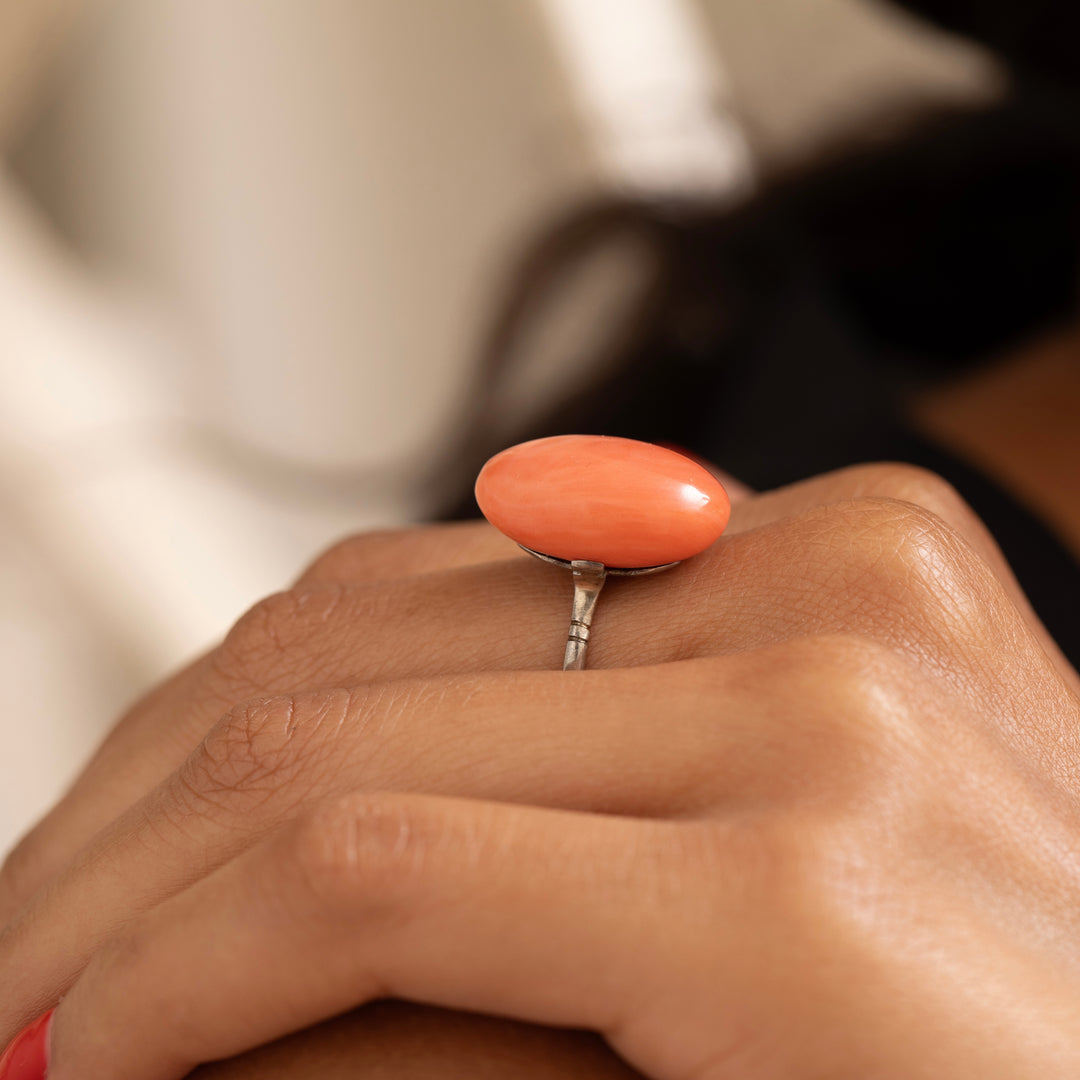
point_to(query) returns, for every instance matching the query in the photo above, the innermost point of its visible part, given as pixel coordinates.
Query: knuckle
(879, 524)
(263, 746)
(825, 866)
(861, 726)
(268, 628)
(274, 642)
(363, 850)
(904, 557)
(869, 695)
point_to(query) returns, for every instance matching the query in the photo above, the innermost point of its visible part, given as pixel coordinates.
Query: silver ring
(589, 578)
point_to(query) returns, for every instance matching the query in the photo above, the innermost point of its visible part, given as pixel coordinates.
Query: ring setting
(601, 506)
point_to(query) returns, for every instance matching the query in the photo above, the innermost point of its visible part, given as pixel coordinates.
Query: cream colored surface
(322, 188)
(803, 70)
(281, 229)
(652, 96)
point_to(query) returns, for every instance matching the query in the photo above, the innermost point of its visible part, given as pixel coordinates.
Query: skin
(811, 812)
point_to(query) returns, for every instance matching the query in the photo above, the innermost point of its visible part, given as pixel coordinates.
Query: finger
(538, 915)
(402, 553)
(354, 621)
(588, 744)
(146, 745)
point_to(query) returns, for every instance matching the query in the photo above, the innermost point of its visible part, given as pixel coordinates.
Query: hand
(883, 651)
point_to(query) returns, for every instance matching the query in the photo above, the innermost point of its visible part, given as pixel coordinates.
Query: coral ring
(600, 505)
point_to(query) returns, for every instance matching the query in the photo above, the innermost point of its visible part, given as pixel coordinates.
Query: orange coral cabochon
(614, 501)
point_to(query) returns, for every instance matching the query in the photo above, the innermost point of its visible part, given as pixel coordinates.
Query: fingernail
(27, 1058)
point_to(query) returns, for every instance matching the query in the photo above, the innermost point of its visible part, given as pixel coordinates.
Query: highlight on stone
(614, 501)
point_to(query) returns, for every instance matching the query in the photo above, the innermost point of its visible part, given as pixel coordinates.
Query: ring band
(589, 578)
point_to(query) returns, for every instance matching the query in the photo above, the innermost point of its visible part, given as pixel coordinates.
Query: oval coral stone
(615, 501)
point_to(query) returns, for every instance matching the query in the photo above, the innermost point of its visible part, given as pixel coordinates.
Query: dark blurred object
(780, 337)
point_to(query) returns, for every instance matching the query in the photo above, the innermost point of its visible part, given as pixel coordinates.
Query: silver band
(589, 578)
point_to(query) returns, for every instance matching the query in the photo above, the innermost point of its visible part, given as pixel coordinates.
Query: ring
(601, 506)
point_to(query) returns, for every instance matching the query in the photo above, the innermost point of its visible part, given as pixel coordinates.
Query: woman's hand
(834, 793)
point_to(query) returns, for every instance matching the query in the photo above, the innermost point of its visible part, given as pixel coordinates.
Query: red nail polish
(27, 1058)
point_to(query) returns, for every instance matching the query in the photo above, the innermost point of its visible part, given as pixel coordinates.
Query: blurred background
(248, 250)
